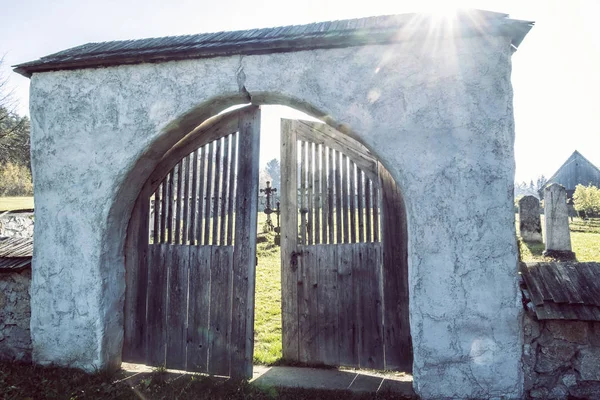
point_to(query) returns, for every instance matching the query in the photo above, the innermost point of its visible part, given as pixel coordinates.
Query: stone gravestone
(558, 236)
(529, 219)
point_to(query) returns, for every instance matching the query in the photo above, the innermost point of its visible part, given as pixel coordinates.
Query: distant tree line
(15, 164)
(586, 201)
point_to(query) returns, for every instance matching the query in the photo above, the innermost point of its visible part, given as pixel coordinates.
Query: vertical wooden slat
(302, 161)
(136, 280)
(330, 195)
(327, 294)
(348, 316)
(324, 191)
(317, 194)
(220, 310)
(157, 305)
(224, 191)
(178, 199)
(156, 222)
(368, 277)
(194, 199)
(308, 305)
(397, 339)
(352, 195)
(217, 191)
(360, 205)
(338, 197)
(177, 306)
(368, 226)
(199, 308)
(202, 194)
(208, 194)
(163, 211)
(375, 191)
(244, 263)
(289, 239)
(231, 189)
(345, 194)
(186, 201)
(309, 192)
(171, 200)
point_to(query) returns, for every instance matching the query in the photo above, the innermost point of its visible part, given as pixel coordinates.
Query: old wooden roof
(15, 253)
(577, 170)
(330, 34)
(562, 290)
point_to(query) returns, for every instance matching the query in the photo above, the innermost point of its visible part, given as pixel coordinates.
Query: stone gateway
(430, 98)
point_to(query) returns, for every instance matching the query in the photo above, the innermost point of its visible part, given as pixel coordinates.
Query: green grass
(16, 203)
(585, 242)
(267, 311)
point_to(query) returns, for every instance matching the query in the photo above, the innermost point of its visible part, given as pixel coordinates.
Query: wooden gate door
(342, 304)
(190, 283)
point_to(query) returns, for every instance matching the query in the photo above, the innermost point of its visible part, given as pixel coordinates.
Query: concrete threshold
(333, 379)
(363, 381)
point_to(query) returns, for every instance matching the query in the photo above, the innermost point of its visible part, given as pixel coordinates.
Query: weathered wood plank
(303, 192)
(317, 194)
(209, 193)
(327, 295)
(347, 301)
(368, 277)
(244, 264)
(202, 195)
(360, 206)
(178, 198)
(289, 238)
(220, 310)
(345, 209)
(186, 201)
(163, 211)
(397, 339)
(368, 225)
(324, 190)
(308, 306)
(217, 191)
(171, 200)
(375, 213)
(157, 305)
(136, 279)
(156, 217)
(224, 191)
(352, 195)
(309, 192)
(178, 261)
(194, 199)
(338, 197)
(199, 308)
(330, 195)
(231, 189)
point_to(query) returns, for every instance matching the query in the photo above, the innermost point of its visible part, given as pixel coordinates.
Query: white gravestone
(556, 214)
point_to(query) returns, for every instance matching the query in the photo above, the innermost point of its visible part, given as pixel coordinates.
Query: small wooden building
(577, 170)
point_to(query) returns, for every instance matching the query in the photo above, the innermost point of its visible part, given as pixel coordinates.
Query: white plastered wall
(440, 119)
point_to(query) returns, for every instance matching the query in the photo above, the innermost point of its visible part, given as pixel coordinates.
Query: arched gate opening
(191, 247)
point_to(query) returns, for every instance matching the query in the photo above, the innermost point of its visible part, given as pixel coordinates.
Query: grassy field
(267, 312)
(16, 203)
(585, 242)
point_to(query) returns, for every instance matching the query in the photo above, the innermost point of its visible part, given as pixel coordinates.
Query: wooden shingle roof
(329, 34)
(562, 290)
(15, 253)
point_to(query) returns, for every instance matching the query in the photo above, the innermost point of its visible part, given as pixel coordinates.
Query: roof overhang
(331, 34)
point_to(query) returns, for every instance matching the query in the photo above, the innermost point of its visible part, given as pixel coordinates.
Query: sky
(555, 74)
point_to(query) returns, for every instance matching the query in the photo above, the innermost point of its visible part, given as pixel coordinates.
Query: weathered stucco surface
(440, 119)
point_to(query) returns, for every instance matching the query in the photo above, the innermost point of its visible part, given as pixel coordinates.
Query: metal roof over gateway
(331, 34)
